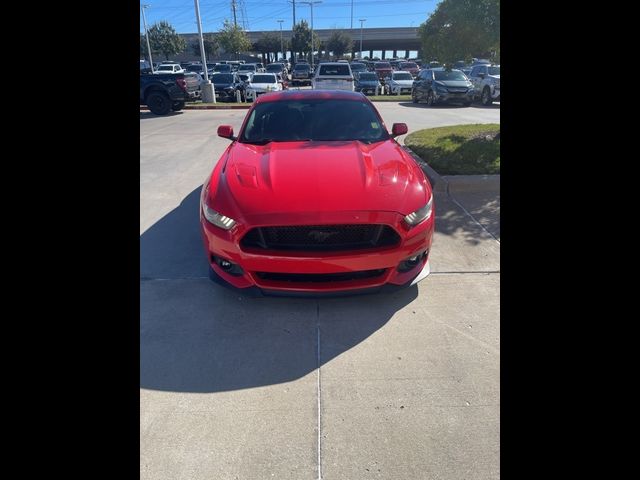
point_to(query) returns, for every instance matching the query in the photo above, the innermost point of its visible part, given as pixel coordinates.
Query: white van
(333, 76)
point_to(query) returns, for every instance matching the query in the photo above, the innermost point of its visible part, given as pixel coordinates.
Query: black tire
(431, 99)
(486, 97)
(159, 103)
(177, 106)
(467, 104)
(414, 97)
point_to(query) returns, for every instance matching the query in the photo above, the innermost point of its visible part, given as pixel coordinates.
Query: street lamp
(146, 34)
(311, 4)
(362, 20)
(208, 89)
(281, 44)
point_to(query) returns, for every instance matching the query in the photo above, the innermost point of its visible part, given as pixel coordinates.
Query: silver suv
(486, 82)
(333, 76)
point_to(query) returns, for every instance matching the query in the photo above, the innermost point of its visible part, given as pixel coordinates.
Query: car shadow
(145, 114)
(197, 336)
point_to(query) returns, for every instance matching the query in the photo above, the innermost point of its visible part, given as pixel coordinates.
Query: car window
(449, 75)
(335, 70)
(368, 76)
(290, 120)
(474, 71)
(302, 67)
(402, 76)
(264, 78)
(382, 65)
(222, 78)
(494, 70)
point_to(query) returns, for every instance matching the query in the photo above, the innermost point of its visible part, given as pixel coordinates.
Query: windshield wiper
(263, 141)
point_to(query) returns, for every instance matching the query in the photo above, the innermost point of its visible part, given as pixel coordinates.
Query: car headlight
(216, 218)
(420, 215)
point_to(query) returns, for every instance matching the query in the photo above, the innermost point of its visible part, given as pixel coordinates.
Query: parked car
(169, 68)
(466, 71)
(245, 77)
(382, 69)
(367, 83)
(398, 83)
(226, 86)
(247, 67)
(262, 83)
(410, 67)
(164, 92)
(290, 208)
(196, 67)
(333, 76)
(460, 64)
(277, 68)
(486, 80)
(357, 67)
(222, 68)
(442, 86)
(260, 68)
(283, 81)
(301, 74)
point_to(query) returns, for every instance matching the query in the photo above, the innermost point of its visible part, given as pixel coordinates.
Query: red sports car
(315, 196)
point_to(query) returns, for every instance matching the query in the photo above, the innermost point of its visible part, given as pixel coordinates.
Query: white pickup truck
(486, 82)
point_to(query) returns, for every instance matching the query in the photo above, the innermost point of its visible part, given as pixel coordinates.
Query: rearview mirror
(226, 131)
(399, 129)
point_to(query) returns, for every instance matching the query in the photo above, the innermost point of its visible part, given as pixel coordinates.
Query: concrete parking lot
(402, 386)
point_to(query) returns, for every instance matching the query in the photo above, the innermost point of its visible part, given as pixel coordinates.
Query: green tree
(339, 42)
(233, 39)
(461, 29)
(143, 47)
(211, 46)
(301, 39)
(268, 43)
(165, 40)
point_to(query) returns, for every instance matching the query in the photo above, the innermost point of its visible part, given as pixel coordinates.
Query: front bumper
(297, 272)
(454, 97)
(399, 90)
(367, 89)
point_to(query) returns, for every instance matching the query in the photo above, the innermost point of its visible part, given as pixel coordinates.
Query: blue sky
(262, 15)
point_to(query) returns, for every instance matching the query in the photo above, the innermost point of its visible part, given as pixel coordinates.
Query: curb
(472, 183)
(438, 183)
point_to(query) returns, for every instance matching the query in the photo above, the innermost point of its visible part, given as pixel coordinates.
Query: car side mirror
(399, 129)
(226, 131)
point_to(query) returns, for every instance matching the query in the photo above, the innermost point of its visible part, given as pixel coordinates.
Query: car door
(425, 83)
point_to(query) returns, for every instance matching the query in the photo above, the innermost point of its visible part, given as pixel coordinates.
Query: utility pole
(208, 90)
(362, 20)
(233, 6)
(311, 4)
(281, 44)
(146, 34)
(351, 14)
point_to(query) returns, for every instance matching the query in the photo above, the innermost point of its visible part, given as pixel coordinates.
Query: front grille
(321, 237)
(320, 277)
(457, 90)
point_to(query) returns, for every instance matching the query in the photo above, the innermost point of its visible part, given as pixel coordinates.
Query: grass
(389, 98)
(459, 150)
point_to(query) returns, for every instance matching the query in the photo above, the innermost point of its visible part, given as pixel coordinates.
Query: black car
(301, 74)
(226, 85)
(367, 82)
(442, 86)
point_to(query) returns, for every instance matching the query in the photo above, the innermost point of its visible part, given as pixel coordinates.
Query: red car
(410, 67)
(315, 196)
(382, 69)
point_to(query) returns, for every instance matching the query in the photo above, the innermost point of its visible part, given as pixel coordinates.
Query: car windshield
(408, 65)
(194, 68)
(383, 65)
(449, 75)
(358, 67)
(402, 76)
(222, 78)
(246, 68)
(264, 78)
(274, 67)
(166, 67)
(335, 70)
(494, 70)
(303, 66)
(314, 119)
(368, 77)
(222, 68)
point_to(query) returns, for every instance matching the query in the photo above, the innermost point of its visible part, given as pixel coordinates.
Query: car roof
(311, 95)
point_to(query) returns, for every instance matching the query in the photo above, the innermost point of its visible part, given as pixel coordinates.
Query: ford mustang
(314, 196)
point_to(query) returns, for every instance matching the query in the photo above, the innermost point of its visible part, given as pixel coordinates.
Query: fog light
(229, 267)
(412, 262)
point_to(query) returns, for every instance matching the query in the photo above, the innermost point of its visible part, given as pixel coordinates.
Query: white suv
(333, 76)
(486, 82)
(169, 68)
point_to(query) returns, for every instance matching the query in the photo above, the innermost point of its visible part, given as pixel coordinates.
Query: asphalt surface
(402, 386)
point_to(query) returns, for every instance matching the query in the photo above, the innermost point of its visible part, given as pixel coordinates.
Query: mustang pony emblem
(319, 236)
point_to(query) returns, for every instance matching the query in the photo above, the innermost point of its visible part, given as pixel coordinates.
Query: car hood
(406, 83)
(288, 177)
(453, 83)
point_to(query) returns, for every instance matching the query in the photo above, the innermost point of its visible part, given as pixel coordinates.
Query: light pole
(362, 20)
(311, 4)
(146, 34)
(208, 92)
(281, 44)
(351, 14)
